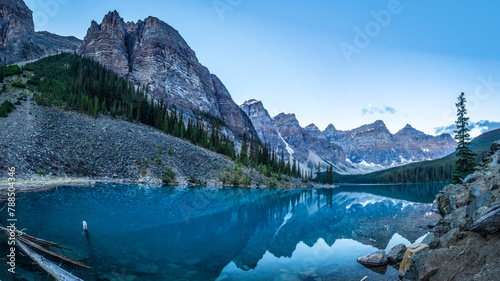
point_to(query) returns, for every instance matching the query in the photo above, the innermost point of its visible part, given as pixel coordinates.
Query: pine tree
(319, 172)
(464, 164)
(244, 149)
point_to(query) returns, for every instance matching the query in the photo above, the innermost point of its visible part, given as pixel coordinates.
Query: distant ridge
(427, 171)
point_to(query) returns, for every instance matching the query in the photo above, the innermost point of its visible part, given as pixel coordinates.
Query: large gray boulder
(378, 258)
(488, 223)
(397, 253)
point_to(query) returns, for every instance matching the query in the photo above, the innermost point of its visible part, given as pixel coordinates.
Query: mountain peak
(112, 17)
(330, 128)
(312, 127)
(252, 102)
(285, 115)
(408, 127)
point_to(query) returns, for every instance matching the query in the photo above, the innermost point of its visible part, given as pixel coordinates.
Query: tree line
(72, 82)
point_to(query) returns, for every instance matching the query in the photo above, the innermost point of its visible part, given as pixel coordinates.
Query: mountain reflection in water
(169, 233)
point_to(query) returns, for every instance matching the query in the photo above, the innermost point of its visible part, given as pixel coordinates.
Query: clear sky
(346, 62)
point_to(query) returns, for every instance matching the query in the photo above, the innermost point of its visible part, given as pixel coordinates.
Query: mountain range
(367, 148)
(154, 56)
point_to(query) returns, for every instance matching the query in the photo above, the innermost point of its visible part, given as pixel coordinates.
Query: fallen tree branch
(54, 270)
(52, 253)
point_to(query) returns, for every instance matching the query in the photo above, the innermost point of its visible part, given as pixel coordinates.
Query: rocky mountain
(365, 149)
(153, 54)
(18, 39)
(373, 144)
(417, 145)
(265, 127)
(307, 149)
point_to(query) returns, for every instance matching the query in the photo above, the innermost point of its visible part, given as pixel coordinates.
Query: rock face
(308, 149)
(18, 39)
(265, 127)
(153, 54)
(373, 144)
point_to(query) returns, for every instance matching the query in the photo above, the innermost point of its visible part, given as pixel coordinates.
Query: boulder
(494, 184)
(378, 258)
(489, 222)
(482, 200)
(412, 250)
(432, 240)
(417, 261)
(451, 197)
(449, 237)
(397, 253)
(476, 191)
(471, 178)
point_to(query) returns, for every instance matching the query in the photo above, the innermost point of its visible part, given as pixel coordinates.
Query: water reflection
(157, 233)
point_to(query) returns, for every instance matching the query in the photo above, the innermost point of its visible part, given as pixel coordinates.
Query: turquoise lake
(140, 232)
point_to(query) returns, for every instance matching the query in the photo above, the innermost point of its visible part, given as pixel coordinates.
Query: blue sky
(342, 62)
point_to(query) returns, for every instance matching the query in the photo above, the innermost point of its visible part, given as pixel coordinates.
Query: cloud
(480, 127)
(381, 110)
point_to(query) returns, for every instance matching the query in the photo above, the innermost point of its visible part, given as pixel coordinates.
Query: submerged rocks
(379, 258)
(411, 251)
(397, 253)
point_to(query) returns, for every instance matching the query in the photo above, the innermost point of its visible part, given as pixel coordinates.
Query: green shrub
(41, 172)
(19, 85)
(6, 108)
(33, 82)
(272, 184)
(11, 70)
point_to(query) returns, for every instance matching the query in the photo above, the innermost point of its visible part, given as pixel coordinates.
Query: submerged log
(38, 240)
(53, 253)
(54, 270)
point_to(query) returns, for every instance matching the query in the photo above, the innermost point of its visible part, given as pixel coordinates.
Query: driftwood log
(25, 241)
(55, 271)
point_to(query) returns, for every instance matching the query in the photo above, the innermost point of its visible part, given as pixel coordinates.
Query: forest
(72, 82)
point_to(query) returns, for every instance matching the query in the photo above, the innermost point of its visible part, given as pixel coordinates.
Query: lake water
(178, 233)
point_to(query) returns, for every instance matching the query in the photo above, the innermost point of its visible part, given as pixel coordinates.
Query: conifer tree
(464, 164)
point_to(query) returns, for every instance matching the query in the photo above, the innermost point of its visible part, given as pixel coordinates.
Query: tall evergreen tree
(464, 164)
(319, 172)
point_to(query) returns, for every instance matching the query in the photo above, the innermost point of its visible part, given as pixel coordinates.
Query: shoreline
(37, 183)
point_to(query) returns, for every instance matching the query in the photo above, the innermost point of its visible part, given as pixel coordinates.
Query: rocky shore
(465, 243)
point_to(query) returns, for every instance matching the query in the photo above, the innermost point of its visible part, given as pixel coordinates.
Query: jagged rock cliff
(265, 127)
(18, 39)
(153, 54)
(373, 144)
(307, 149)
